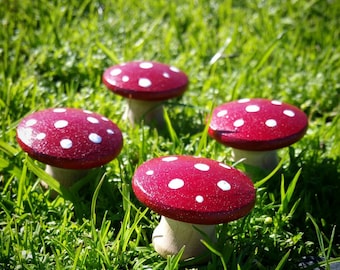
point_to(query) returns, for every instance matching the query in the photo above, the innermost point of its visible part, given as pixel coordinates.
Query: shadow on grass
(184, 121)
(318, 190)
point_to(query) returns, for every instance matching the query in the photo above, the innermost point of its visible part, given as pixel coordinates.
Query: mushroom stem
(171, 235)
(66, 177)
(266, 160)
(149, 111)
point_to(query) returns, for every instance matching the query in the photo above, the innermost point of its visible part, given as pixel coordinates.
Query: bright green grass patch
(53, 53)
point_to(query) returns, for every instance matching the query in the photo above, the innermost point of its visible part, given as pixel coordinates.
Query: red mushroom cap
(257, 124)
(194, 190)
(145, 80)
(69, 138)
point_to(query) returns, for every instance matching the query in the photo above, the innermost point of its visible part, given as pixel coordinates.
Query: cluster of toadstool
(192, 194)
(71, 141)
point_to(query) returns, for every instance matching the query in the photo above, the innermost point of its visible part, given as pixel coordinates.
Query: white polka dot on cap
(115, 71)
(66, 143)
(144, 82)
(146, 65)
(202, 167)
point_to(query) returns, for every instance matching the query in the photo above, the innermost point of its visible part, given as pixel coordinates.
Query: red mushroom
(191, 192)
(255, 128)
(146, 85)
(70, 141)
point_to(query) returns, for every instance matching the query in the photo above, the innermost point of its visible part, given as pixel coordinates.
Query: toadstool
(192, 194)
(70, 141)
(256, 128)
(146, 84)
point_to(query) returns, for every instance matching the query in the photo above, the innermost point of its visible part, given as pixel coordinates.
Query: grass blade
(286, 196)
(108, 52)
(266, 55)
(171, 130)
(326, 252)
(21, 187)
(270, 175)
(173, 261)
(93, 207)
(216, 252)
(283, 261)
(8, 149)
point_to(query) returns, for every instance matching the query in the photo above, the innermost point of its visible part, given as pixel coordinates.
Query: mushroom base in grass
(151, 112)
(171, 235)
(266, 160)
(66, 177)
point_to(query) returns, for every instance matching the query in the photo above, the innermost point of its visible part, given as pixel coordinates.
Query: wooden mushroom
(145, 84)
(69, 141)
(193, 195)
(256, 128)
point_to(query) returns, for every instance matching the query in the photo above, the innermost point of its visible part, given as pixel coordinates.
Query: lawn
(53, 54)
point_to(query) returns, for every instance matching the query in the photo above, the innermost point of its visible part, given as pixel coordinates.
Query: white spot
(105, 119)
(224, 165)
(25, 134)
(145, 65)
(271, 123)
(92, 120)
(125, 78)
(276, 102)
(239, 123)
(199, 199)
(59, 110)
(60, 124)
(95, 138)
(168, 159)
(31, 122)
(87, 111)
(115, 71)
(252, 108)
(174, 69)
(243, 100)
(149, 172)
(289, 113)
(176, 183)
(166, 75)
(111, 81)
(143, 82)
(224, 185)
(202, 167)
(222, 113)
(41, 136)
(110, 131)
(66, 143)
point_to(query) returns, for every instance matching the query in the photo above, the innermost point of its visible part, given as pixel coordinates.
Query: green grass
(52, 53)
